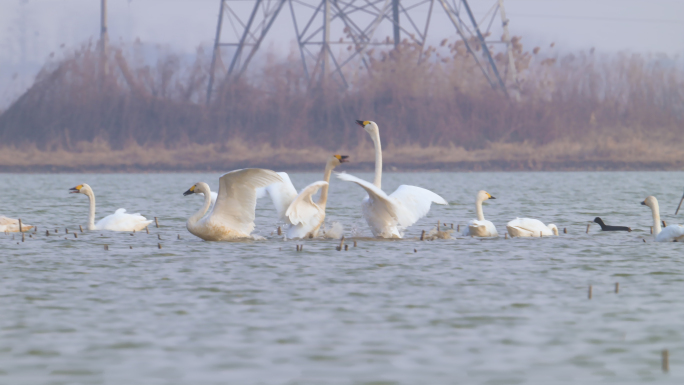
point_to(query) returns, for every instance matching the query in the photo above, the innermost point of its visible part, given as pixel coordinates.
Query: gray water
(461, 311)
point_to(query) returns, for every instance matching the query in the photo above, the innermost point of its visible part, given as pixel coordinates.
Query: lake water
(461, 311)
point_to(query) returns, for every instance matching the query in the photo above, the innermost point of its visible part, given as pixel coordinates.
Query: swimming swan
(527, 227)
(233, 214)
(480, 227)
(11, 225)
(119, 221)
(669, 234)
(389, 215)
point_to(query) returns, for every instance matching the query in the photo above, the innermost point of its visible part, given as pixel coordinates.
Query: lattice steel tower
(331, 34)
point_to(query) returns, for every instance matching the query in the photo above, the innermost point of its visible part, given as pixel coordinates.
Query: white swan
(11, 225)
(671, 233)
(119, 221)
(480, 227)
(233, 214)
(527, 227)
(389, 215)
(305, 216)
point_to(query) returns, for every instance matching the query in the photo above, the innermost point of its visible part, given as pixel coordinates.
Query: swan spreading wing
(303, 209)
(282, 194)
(236, 200)
(415, 203)
(402, 208)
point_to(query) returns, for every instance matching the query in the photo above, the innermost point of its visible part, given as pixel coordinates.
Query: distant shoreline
(592, 155)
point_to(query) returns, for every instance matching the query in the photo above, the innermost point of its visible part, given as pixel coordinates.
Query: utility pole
(326, 40)
(215, 52)
(103, 38)
(395, 19)
(515, 90)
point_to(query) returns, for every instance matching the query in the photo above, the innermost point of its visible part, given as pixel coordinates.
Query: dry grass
(597, 154)
(578, 110)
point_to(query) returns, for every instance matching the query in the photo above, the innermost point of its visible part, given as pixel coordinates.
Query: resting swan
(119, 221)
(527, 227)
(389, 215)
(671, 233)
(299, 211)
(233, 214)
(11, 225)
(480, 227)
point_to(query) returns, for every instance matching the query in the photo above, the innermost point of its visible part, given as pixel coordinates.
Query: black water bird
(605, 227)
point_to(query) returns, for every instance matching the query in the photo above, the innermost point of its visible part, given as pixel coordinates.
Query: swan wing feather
(303, 209)
(671, 233)
(282, 194)
(414, 203)
(236, 199)
(122, 221)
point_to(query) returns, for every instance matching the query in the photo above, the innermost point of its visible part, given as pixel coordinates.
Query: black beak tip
(344, 158)
(188, 193)
(493, 197)
(643, 203)
(360, 123)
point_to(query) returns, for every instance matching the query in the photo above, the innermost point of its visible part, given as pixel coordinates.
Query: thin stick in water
(354, 243)
(666, 360)
(106, 247)
(565, 230)
(21, 230)
(80, 227)
(159, 236)
(159, 245)
(75, 235)
(339, 248)
(280, 232)
(156, 222)
(147, 229)
(664, 224)
(588, 226)
(66, 230)
(589, 291)
(422, 235)
(346, 247)
(617, 287)
(505, 235)
(651, 229)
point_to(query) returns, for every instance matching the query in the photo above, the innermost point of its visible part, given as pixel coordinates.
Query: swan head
(337, 160)
(369, 126)
(598, 220)
(553, 228)
(482, 196)
(650, 201)
(80, 189)
(197, 188)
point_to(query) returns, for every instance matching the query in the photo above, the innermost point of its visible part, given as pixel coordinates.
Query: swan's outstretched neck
(478, 209)
(656, 218)
(91, 214)
(378, 159)
(323, 199)
(205, 207)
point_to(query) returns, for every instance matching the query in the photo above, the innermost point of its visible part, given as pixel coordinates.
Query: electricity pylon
(331, 34)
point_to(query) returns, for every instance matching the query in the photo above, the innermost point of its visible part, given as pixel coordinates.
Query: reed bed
(575, 109)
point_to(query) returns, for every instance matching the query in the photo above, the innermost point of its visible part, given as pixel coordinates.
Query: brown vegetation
(574, 110)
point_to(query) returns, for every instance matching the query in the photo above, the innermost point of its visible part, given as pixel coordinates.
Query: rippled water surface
(466, 311)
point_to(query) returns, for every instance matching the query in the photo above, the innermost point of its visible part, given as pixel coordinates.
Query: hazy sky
(31, 29)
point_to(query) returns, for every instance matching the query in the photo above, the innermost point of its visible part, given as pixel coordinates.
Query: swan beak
(490, 196)
(342, 158)
(643, 203)
(362, 123)
(191, 190)
(75, 190)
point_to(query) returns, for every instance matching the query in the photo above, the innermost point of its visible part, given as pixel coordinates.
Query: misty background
(32, 30)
